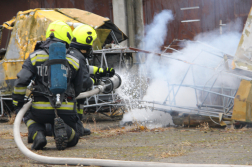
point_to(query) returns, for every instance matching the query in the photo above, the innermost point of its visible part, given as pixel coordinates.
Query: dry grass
(245, 128)
(6, 134)
(12, 119)
(174, 153)
(135, 127)
(232, 129)
(123, 130)
(118, 131)
(95, 128)
(204, 127)
(99, 156)
(186, 143)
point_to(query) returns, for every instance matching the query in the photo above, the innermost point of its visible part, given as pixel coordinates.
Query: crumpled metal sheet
(102, 35)
(53, 15)
(243, 55)
(29, 28)
(85, 17)
(9, 24)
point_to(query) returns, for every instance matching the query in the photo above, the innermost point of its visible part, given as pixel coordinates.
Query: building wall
(209, 12)
(119, 17)
(9, 8)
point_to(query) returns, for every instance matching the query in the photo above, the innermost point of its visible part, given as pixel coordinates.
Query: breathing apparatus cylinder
(58, 72)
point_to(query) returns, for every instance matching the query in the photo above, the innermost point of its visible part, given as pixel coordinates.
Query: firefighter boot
(39, 140)
(86, 132)
(30, 140)
(49, 131)
(60, 134)
(81, 130)
(73, 137)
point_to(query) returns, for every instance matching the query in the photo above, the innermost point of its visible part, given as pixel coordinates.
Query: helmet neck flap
(86, 50)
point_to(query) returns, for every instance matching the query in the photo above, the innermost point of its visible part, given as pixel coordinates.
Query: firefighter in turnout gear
(81, 47)
(42, 111)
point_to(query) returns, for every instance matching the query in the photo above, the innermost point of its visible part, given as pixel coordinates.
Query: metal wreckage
(217, 84)
(215, 103)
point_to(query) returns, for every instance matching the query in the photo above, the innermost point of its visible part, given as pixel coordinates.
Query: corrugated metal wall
(9, 8)
(210, 12)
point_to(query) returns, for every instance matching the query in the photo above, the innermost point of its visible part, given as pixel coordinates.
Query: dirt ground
(201, 145)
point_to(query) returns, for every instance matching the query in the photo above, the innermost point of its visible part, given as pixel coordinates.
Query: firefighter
(81, 46)
(42, 112)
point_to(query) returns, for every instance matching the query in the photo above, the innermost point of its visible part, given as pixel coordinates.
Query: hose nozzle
(112, 83)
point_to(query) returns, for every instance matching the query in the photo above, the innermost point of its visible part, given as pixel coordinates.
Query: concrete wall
(119, 15)
(134, 21)
(128, 16)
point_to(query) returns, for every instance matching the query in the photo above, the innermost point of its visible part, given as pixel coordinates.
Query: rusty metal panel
(176, 29)
(100, 7)
(224, 11)
(8, 9)
(210, 12)
(207, 15)
(187, 30)
(242, 8)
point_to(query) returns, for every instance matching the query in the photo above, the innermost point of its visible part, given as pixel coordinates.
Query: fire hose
(86, 161)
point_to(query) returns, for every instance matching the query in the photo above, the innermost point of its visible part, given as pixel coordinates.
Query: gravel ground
(202, 145)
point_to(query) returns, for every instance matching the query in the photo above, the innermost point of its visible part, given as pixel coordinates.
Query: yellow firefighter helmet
(84, 34)
(60, 30)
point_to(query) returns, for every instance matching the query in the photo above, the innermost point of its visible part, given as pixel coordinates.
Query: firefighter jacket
(86, 78)
(32, 69)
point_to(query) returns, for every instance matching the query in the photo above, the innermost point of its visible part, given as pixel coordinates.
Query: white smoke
(153, 40)
(155, 36)
(156, 31)
(200, 62)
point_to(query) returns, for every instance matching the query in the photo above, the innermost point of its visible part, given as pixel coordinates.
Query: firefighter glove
(109, 72)
(99, 73)
(94, 79)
